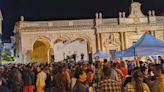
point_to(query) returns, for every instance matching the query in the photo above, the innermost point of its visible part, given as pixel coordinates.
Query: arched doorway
(84, 50)
(40, 51)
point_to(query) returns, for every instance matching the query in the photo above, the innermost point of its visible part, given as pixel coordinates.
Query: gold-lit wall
(39, 52)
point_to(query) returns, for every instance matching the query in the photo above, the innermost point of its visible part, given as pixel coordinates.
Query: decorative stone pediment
(136, 10)
(136, 16)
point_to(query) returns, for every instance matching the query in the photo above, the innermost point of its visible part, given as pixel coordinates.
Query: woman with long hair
(136, 84)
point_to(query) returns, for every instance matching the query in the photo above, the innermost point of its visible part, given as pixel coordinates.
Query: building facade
(35, 40)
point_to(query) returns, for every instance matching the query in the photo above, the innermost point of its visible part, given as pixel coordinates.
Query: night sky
(67, 9)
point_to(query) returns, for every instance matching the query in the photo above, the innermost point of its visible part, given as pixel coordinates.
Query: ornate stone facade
(105, 34)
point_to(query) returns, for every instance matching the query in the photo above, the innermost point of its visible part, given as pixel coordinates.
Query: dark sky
(66, 9)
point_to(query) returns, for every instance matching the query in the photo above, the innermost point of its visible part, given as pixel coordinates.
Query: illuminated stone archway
(67, 45)
(40, 51)
(87, 39)
(87, 48)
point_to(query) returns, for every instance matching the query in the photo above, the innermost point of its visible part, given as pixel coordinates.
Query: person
(98, 72)
(68, 58)
(28, 78)
(107, 84)
(123, 69)
(16, 81)
(136, 84)
(66, 73)
(48, 81)
(3, 75)
(91, 66)
(82, 56)
(146, 77)
(73, 79)
(159, 82)
(90, 76)
(161, 60)
(74, 57)
(3, 88)
(81, 76)
(119, 73)
(40, 81)
(90, 80)
(61, 83)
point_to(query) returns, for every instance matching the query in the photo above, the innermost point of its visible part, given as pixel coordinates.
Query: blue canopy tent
(101, 54)
(147, 45)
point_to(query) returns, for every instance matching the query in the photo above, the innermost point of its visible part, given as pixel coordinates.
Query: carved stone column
(122, 41)
(125, 40)
(98, 41)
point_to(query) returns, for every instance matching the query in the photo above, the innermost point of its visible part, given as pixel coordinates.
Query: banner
(66, 50)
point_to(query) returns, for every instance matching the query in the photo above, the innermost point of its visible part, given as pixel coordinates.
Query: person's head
(138, 78)
(47, 70)
(42, 67)
(137, 75)
(159, 57)
(38, 69)
(1, 69)
(114, 65)
(144, 70)
(107, 71)
(123, 64)
(80, 74)
(157, 70)
(90, 74)
(60, 69)
(105, 61)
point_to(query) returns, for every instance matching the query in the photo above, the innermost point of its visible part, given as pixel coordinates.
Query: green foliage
(6, 57)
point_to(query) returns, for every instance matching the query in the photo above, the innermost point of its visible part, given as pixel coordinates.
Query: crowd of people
(98, 76)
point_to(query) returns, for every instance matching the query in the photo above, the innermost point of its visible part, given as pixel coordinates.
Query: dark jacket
(16, 81)
(80, 87)
(28, 77)
(48, 81)
(4, 89)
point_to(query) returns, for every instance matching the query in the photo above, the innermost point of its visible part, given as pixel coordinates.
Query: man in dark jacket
(16, 80)
(28, 79)
(80, 86)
